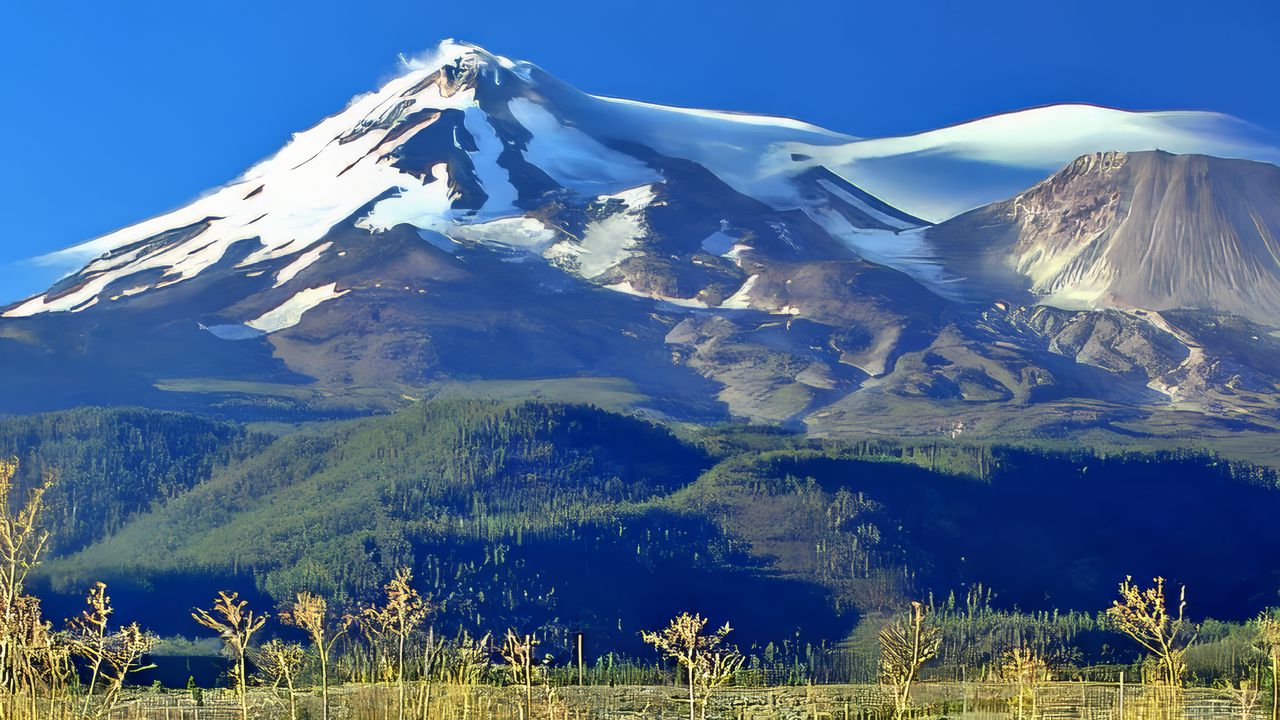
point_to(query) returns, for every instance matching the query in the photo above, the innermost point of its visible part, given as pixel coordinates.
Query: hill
(570, 518)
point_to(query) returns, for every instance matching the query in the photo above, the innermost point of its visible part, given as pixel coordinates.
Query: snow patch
(286, 202)
(291, 311)
(1168, 383)
(608, 241)
(627, 288)
(718, 243)
(741, 300)
(442, 242)
(303, 262)
(233, 331)
(907, 251)
(524, 233)
(941, 173)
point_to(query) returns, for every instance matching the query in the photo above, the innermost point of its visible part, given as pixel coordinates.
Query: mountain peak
(464, 63)
(1147, 229)
(452, 51)
(461, 139)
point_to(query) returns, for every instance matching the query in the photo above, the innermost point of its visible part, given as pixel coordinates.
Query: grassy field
(223, 386)
(615, 394)
(974, 701)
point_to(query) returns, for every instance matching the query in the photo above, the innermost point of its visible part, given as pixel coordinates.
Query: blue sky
(116, 111)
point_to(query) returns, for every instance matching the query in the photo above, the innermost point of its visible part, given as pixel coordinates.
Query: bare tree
(906, 644)
(56, 664)
(282, 661)
(1026, 669)
(719, 670)
(90, 634)
(235, 623)
(310, 613)
(402, 614)
(22, 541)
(706, 658)
(432, 650)
(111, 656)
(1143, 615)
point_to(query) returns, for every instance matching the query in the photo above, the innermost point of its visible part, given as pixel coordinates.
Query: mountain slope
(1147, 230)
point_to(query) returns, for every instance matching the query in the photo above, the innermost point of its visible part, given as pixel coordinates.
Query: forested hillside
(530, 514)
(109, 465)
(568, 518)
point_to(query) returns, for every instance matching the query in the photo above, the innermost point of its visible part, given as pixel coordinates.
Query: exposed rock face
(1144, 230)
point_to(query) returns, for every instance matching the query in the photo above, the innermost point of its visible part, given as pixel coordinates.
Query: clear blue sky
(115, 111)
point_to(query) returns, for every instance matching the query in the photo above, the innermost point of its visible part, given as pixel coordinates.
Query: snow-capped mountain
(476, 221)
(465, 146)
(464, 143)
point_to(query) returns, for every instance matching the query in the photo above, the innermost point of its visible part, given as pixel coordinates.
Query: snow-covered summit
(468, 145)
(460, 138)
